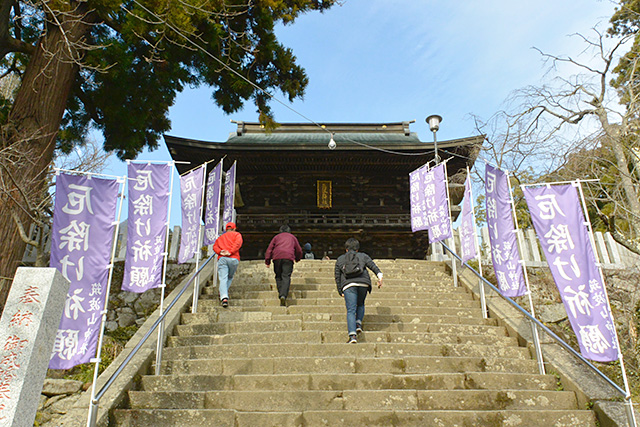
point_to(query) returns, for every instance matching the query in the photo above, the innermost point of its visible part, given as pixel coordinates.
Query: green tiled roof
(323, 138)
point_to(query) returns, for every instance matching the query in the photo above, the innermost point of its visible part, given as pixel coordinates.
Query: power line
(269, 95)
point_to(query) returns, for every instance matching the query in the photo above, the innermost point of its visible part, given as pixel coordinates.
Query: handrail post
(538, 348)
(550, 333)
(159, 347)
(95, 400)
(631, 416)
(93, 414)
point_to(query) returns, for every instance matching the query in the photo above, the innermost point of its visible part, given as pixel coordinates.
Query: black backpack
(352, 266)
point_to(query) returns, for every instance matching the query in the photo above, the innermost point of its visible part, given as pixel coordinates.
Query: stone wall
(126, 310)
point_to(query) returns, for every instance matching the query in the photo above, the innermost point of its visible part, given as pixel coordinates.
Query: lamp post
(434, 124)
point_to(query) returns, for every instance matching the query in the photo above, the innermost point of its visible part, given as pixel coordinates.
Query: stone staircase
(426, 358)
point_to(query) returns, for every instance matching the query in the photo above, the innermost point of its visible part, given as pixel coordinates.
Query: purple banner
(146, 226)
(560, 225)
(191, 198)
(467, 229)
(212, 207)
(437, 202)
(81, 242)
(417, 196)
(502, 234)
(229, 195)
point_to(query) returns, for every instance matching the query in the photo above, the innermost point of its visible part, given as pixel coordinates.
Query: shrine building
(358, 189)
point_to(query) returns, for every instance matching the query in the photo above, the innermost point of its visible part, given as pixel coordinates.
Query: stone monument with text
(28, 330)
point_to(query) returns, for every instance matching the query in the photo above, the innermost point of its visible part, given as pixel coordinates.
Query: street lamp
(434, 124)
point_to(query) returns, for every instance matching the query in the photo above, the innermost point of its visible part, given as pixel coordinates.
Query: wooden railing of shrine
(321, 220)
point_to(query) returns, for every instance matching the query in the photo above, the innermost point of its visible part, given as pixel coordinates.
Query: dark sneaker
(352, 339)
(358, 328)
(225, 302)
(283, 301)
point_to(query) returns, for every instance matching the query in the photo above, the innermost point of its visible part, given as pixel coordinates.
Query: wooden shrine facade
(359, 189)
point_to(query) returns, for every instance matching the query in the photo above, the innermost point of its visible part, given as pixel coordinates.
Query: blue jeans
(226, 269)
(354, 300)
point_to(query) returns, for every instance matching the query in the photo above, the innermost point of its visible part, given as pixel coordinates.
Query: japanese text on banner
(212, 207)
(81, 242)
(467, 228)
(229, 195)
(191, 197)
(147, 221)
(502, 234)
(560, 225)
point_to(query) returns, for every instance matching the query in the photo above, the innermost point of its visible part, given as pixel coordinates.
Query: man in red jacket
(284, 249)
(227, 246)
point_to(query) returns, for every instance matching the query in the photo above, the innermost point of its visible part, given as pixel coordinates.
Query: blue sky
(395, 60)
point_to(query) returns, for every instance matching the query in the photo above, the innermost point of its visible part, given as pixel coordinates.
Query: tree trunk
(28, 141)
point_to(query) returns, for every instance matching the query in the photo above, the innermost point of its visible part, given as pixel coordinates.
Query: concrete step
(230, 418)
(347, 365)
(286, 337)
(380, 381)
(231, 351)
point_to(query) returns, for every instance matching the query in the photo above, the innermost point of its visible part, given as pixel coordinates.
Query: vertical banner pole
(628, 403)
(454, 270)
(483, 298)
(220, 222)
(534, 329)
(163, 286)
(196, 282)
(93, 404)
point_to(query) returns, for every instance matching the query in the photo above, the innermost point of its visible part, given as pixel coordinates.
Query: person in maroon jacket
(284, 249)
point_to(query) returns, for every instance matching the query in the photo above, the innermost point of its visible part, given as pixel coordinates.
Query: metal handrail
(539, 324)
(93, 409)
(627, 397)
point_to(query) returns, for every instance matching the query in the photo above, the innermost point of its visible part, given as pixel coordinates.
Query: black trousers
(283, 269)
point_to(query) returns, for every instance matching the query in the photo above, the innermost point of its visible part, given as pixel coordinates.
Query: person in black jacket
(354, 288)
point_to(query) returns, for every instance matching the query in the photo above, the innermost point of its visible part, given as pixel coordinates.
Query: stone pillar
(27, 333)
(175, 242)
(601, 247)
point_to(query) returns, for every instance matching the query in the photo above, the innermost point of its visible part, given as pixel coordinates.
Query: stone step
(338, 315)
(338, 307)
(231, 418)
(287, 337)
(258, 275)
(329, 266)
(389, 286)
(301, 277)
(455, 329)
(347, 365)
(336, 300)
(426, 357)
(328, 325)
(332, 293)
(355, 400)
(218, 328)
(231, 351)
(380, 381)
